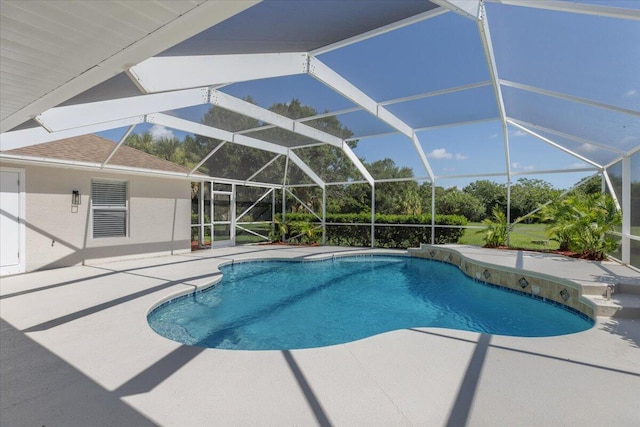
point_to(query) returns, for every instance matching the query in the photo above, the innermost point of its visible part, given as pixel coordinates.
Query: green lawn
(242, 237)
(523, 236)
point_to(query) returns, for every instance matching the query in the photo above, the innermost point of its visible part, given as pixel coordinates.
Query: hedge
(385, 236)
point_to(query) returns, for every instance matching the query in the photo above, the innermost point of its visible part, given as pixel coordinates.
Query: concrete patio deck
(76, 350)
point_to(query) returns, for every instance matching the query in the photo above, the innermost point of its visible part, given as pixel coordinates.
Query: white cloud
(578, 165)
(520, 166)
(587, 148)
(630, 93)
(158, 131)
(440, 153)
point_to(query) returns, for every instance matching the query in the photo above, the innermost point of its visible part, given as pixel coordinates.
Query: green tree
(391, 196)
(412, 205)
(140, 141)
(232, 160)
(455, 202)
(496, 229)
(489, 193)
(592, 186)
(169, 149)
(528, 194)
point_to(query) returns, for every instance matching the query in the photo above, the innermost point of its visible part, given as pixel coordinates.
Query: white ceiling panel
(52, 51)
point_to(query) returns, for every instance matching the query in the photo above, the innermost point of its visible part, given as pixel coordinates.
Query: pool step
(620, 305)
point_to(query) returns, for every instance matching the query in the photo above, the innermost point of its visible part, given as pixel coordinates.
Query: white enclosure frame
(175, 82)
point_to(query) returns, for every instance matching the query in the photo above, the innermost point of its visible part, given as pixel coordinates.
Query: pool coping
(562, 291)
(545, 287)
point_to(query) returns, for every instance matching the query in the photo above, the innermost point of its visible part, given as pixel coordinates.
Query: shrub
(582, 222)
(357, 231)
(496, 229)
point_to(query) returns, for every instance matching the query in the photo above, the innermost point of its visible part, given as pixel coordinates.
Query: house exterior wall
(59, 235)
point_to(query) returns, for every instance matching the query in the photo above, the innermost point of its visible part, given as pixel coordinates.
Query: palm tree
(597, 216)
(582, 223)
(559, 215)
(496, 229)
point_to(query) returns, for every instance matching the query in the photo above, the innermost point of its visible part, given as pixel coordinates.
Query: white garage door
(11, 249)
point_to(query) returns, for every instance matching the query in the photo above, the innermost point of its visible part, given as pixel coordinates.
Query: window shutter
(109, 201)
(107, 193)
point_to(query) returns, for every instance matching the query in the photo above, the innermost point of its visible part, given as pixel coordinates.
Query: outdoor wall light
(75, 197)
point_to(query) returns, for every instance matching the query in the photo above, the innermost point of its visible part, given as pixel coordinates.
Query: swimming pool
(277, 305)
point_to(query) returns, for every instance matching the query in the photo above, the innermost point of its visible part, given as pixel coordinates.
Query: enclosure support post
(284, 208)
(273, 211)
(626, 209)
(508, 210)
(284, 194)
(201, 216)
(433, 212)
(324, 216)
(373, 215)
(232, 214)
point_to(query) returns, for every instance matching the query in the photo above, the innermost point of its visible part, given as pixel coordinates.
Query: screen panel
(439, 53)
(582, 55)
(476, 148)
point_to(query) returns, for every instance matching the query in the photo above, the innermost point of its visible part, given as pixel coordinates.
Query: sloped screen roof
(448, 89)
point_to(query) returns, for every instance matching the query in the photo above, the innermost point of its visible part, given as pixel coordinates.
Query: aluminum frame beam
(554, 144)
(434, 93)
(565, 6)
(119, 144)
(39, 135)
(266, 165)
(211, 132)
(568, 97)
(305, 168)
(74, 164)
(379, 31)
(335, 81)
(423, 157)
(243, 107)
(485, 37)
(207, 157)
(565, 135)
(384, 104)
(167, 73)
(357, 163)
(246, 211)
(612, 191)
(240, 106)
(468, 8)
(73, 116)
(626, 209)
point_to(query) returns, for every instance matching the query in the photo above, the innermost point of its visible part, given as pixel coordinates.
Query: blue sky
(579, 55)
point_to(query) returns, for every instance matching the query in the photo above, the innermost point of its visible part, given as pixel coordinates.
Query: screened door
(223, 214)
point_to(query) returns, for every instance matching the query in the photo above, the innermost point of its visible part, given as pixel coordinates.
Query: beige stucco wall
(57, 235)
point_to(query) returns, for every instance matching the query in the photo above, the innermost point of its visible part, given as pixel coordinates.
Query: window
(109, 208)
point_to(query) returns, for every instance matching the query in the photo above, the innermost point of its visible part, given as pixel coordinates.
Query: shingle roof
(95, 149)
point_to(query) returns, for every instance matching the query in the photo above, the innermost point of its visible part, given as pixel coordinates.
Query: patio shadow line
(96, 308)
(546, 356)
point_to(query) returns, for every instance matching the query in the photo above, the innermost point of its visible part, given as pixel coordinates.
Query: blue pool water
(277, 305)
